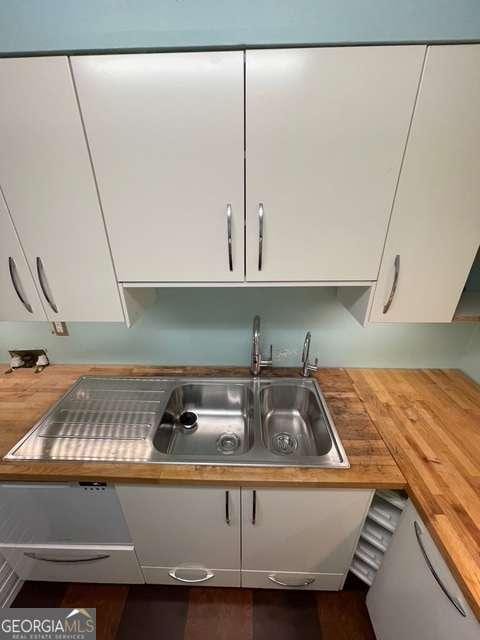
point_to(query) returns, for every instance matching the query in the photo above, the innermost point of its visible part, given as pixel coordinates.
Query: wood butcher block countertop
(413, 429)
(25, 397)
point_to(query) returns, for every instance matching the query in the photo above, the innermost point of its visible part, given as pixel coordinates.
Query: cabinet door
(19, 299)
(325, 135)
(301, 530)
(406, 601)
(185, 530)
(166, 135)
(435, 226)
(47, 180)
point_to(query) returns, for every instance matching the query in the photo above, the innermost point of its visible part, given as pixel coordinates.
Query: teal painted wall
(213, 326)
(52, 25)
(470, 361)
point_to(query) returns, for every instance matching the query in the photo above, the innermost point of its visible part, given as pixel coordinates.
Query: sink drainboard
(225, 421)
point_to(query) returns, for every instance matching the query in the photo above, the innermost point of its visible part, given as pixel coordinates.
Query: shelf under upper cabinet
(468, 309)
(247, 284)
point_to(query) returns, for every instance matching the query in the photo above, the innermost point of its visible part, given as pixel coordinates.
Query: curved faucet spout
(256, 361)
(306, 347)
(307, 367)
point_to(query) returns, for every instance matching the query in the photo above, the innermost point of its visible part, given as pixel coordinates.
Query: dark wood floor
(143, 612)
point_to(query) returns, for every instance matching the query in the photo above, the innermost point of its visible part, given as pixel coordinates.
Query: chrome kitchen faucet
(257, 364)
(307, 367)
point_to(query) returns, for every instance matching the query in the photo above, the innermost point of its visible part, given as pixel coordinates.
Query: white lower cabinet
(300, 538)
(414, 595)
(277, 538)
(185, 535)
(74, 563)
(67, 532)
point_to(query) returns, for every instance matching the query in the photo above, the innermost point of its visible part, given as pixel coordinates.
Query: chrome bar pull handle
(454, 601)
(306, 583)
(229, 236)
(393, 290)
(260, 236)
(16, 284)
(44, 285)
(35, 556)
(254, 507)
(227, 507)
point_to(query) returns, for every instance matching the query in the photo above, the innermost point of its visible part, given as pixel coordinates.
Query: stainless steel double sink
(227, 421)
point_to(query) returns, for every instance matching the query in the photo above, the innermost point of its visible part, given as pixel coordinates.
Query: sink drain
(228, 443)
(284, 443)
(188, 419)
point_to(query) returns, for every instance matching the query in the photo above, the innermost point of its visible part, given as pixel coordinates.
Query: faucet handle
(311, 368)
(269, 362)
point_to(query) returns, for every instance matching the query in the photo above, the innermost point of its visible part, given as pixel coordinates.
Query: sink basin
(207, 419)
(293, 422)
(229, 421)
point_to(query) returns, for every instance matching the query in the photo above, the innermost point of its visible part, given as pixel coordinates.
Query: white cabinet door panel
(166, 135)
(301, 530)
(435, 226)
(19, 298)
(406, 601)
(183, 526)
(48, 184)
(325, 135)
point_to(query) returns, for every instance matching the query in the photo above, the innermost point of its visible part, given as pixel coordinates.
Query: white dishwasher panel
(63, 513)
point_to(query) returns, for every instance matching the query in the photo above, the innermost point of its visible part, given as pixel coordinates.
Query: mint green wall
(470, 361)
(53, 25)
(213, 326)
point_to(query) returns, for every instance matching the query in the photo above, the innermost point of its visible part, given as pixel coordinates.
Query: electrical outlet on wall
(60, 328)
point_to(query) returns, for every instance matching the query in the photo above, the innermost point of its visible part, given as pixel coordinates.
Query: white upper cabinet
(48, 184)
(325, 135)
(435, 226)
(166, 136)
(19, 299)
